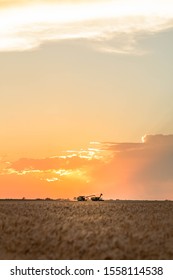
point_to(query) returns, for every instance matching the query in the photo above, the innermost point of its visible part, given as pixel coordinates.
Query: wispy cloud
(111, 26)
(70, 164)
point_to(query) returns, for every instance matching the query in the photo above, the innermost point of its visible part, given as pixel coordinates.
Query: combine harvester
(91, 197)
(97, 198)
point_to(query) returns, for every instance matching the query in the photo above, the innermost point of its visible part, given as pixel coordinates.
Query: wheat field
(86, 230)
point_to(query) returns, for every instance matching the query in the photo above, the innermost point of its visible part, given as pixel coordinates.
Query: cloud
(22, 2)
(119, 147)
(48, 163)
(141, 170)
(160, 159)
(71, 160)
(110, 26)
(158, 139)
(70, 164)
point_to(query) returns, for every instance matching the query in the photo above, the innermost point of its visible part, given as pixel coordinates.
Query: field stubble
(86, 230)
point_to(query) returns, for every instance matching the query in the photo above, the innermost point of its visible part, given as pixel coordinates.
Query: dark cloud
(140, 169)
(159, 167)
(158, 139)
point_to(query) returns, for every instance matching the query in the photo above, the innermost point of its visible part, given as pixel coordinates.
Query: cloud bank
(144, 169)
(141, 170)
(110, 26)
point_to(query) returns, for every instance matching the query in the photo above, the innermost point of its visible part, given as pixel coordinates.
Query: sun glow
(79, 174)
(70, 165)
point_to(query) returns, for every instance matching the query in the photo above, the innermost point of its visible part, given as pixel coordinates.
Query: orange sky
(73, 72)
(119, 170)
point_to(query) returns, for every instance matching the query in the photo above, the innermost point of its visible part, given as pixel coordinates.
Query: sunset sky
(86, 98)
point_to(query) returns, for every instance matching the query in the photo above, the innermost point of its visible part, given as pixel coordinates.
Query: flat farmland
(86, 230)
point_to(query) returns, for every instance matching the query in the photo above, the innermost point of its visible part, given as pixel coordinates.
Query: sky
(86, 99)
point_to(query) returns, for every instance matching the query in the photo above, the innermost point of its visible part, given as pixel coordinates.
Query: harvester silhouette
(91, 197)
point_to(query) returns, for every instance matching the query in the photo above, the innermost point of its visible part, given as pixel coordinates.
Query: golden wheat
(86, 230)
